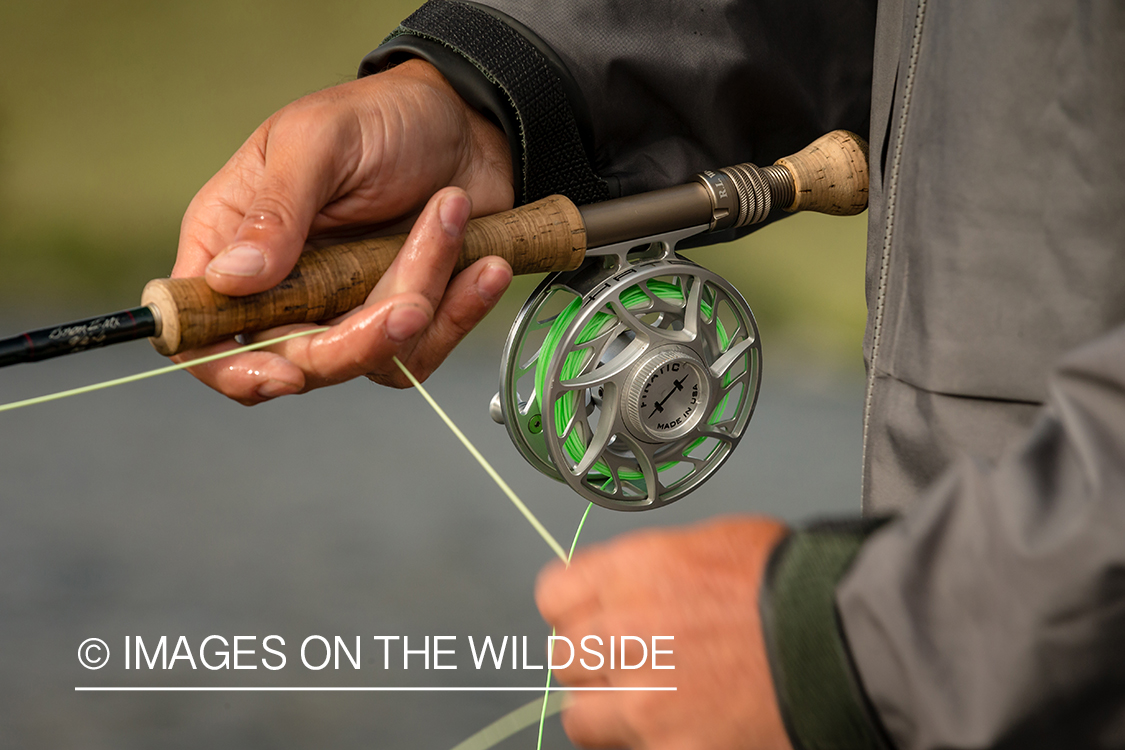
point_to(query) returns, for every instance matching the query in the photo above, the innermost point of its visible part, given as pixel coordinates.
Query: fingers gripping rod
(829, 176)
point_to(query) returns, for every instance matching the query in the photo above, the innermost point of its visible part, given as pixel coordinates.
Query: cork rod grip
(547, 235)
(829, 175)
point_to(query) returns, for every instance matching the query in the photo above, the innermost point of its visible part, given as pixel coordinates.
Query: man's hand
(366, 153)
(700, 586)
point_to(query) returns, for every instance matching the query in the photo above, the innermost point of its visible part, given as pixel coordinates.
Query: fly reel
(632, 378)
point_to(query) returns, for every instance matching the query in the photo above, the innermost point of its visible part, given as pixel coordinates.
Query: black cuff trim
(574, 96)
(819, 692)
(549, 148)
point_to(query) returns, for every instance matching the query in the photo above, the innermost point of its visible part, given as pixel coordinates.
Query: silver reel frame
(612, 359)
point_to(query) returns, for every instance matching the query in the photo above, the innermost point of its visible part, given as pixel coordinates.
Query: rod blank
(78, 336)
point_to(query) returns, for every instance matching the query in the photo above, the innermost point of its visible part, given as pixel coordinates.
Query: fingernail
(493, 280)
(241, 260)
(454, 212)
(274, 388)
(405, 321)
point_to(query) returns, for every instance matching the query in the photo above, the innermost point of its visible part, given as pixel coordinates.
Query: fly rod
(829, 176)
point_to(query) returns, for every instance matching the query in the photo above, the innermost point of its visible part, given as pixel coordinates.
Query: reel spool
(632, 378)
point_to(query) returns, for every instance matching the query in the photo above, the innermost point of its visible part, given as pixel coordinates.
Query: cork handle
(830, 175)
(547, 235)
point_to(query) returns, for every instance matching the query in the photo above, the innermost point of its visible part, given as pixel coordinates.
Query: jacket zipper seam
(888, 232)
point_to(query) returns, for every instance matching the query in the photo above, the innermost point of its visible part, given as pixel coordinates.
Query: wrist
(502, 69)
(484, 158)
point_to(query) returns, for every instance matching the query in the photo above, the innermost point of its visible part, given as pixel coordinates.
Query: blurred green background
(112, 115)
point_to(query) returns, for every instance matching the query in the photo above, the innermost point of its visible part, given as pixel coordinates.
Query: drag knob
(668, 395)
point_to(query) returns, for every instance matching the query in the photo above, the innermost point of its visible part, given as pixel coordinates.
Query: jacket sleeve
(993, 614)
(656, 91)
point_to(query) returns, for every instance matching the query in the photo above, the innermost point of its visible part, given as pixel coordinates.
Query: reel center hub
(669, 394)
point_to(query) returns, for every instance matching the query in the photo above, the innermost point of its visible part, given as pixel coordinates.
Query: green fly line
(157, 371)
(527, 714)
(507, 725)
(635, 300)
(550, 651)
(550, 540)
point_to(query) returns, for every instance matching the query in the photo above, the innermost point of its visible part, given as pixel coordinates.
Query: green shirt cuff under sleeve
(819, 692)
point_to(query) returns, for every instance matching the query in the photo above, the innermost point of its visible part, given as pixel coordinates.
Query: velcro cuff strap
(548, 149)
(819, 692)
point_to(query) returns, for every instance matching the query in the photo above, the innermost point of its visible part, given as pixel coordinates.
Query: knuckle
(452, 330)
(427, 356)
(271, 208)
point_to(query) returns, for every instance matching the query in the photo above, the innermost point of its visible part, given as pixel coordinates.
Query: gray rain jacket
(991, 613)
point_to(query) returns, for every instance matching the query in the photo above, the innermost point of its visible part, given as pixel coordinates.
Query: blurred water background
(161, 508)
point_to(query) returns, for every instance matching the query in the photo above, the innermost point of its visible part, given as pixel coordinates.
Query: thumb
(298, 177)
